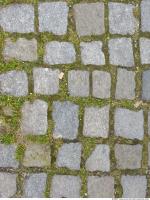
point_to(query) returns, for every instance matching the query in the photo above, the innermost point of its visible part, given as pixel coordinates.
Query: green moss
(7, 139)
(20, 152)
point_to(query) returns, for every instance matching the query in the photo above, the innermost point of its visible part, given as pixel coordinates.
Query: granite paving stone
(146, 85)
(145, 50)
(145, 15)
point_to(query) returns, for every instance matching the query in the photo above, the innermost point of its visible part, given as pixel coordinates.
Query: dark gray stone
(145, 50)
(145, 15)
(146, 85)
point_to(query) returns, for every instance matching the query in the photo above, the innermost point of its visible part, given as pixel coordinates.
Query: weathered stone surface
(22, 49)
(78, 83)
(121, 18)
(148, 154)
(146, 85)
(14, 83)
(65, 186)
(145, 50)
(99, 160)
(7, 185)
(46, 81)
(145, 15)
(66, 122)
(125, 87)
(129, 124)
(59, 53)
(96, 122)
(17, 18)
(34, 118)
(37, 155)
(69, 155)
(101, 84)
(91, 53)
(128, 156)
(89, 18)
(121, 52)
(35, 185)
(100, 187)
(8, 156)
(134, 186)
(53, 17)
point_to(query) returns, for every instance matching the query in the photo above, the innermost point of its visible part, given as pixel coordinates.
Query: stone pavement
(75, 98)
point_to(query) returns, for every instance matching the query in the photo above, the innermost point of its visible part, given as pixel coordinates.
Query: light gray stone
(66, 122)
(69, 155)
(100, 187)
(146, 85)
(78, 83)
(128, 156)
(59, 53)
(101, 84)
(53, 17)
(89, 18)
(125, 87)
(121, 52)
(8, 186)
(37, 155)
(65, 186)
(23, 49)
(35, 185)
(8, 156)
(34, 118)
(145, 50)
(99, 160)
(46, 81)
(96, 122)
(148, 154)
(134, 186)
(14, 83)
(121, 18)
(91, 53)
(17, 18)
(149, 123)
(129, 124)
(145, 15)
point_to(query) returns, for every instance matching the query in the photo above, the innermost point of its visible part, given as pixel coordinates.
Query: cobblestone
(145, 50)
(146, 85)
(145, 14)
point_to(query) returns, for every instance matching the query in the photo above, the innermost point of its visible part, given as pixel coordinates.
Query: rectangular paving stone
(53, 17)
(46, 81)
(65, 186)
(89, 18)
(23, 50)
(146, 85)
(128, 156)
(129, 124)
(99, 160)
(8, 186)
(91, 53)
(121, 19)
(59, 53)
(125, 87)
(145, 50)
(17, 18)
(121, 52)
(66, 121)
(100, 187)
(69, 155)
(34, 118)
(101, 84)
(78, 83)
(35, 185)
(14, 83)
(145, 15)
(96, 122)
(134, 186)
(37, 155)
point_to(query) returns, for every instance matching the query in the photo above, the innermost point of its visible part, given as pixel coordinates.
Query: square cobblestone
(66, 122)
(145, 15)
(96, 122)
(78, 83)
(146, 85)
(129, 124)
(91, 53)
(53, 17)
(145, 50)
(65, 186)
(101, 84)
(100, 187)
(46, 81)
(89, 18)
(125, 87)
(121, 52)
(128, 156)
